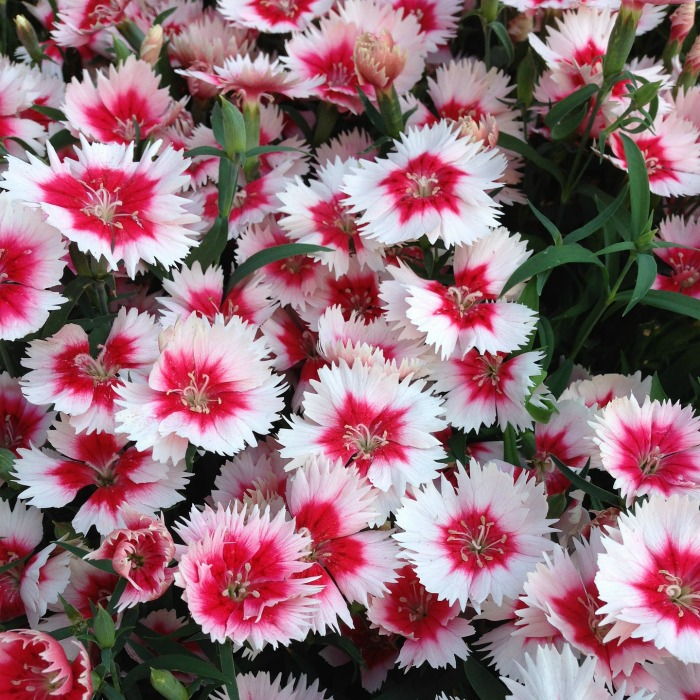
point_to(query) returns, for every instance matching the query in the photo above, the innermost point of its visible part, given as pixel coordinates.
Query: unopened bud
(485, 130)
(378, 60)
(167, 685)
(691, 67)
(682, 21)
(103, 626)
(152, 45)
(29, 39)
(622, 37)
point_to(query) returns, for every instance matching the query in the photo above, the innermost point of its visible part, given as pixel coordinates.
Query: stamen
(476, 542)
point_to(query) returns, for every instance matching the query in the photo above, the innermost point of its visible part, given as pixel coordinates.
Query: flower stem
(228, 668)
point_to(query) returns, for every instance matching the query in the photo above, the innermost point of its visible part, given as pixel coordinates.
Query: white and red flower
(31, 255)
(478, 539)
(244, 577)
(275, 17)
(140, 552)
(34, 666)
(109, 204)
(433, 184)
(652, 448)
(212, 386)
(98, 460)
(684, 263)
(64, 372)
(649, 576)
(364, 415)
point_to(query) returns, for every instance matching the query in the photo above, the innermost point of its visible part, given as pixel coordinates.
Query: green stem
(390, 108)
(600, 308)
(251, 119)
(228, 668)
(326, 117)
(102, 300)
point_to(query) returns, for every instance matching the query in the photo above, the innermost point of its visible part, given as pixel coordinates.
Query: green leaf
(484, 683)
(669, 301)
(646, 274)
(524, 149)
(102, 564)
(639, 186)
(586, 486)
(173, 662)
(204, 151)
(657, 392)
(270, 255)
(228, 184)
(549, 258)
(233, 129)
(372, 112)
(549, 225)
(510, 446)
(7, 463)
(566, 115)
(228, 668)
(14, 563)
(616, 248)
(558, 380)
(502, 33)
(212, 246)
(597, 223)
(164, 15)
(51, 112)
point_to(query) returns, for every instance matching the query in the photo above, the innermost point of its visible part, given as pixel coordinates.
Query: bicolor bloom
(31, 255)
(433, 184)
(37, 578)
(599, 390)
(212, 386)
(381, 424)
(98, 460)
(470, 314)
(649, 576)
(333, 504)
(109, 204)
(34, 666)
(438, 19)
(21, 423)
(140, 552)
(478, 539)
(244, 577)
(683, 263)
(275, 17)
(64, 372)
(483, 389)
(124, 102)
(259, 686)
(652, 448)
(432, 628)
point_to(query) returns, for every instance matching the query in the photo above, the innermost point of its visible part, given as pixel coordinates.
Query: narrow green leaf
(646, 274)
(228, 668)
(212, 246)
(549, 225)
(548, 259)
(574, 103)
(616, 248)
(657, 392)
(14, 563)
(639, 186)
(372, 112)
(586, 486)
(596, 223)
(502, 33)
(173, 662)
(483, 682)
(204, 151)
(669, 301)
(527, 151)
(102, 564)
(110, 693)
(558, 380)
(510, 446)
(270, 255)
(164, 15)
(228, 184)
(569, 123)
(546, 336)
(51, 112)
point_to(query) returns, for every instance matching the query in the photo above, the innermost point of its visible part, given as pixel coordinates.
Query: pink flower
(333, 504)
(64, 372)
(432, 185)
(487, 389)
(241, 577)
(470, 313)
(98, 460)
(212, 386)
(432, 627)
(33, 665)
(649, 576)
(140, 552)
(109, 204)
(31, 255)
(649, 448)
(32, 584)
(260, 686)
(273, 17)
(600, 389)
(21, 423)
(381, 424)
(684, 262)
(477, 539)
(123, 100)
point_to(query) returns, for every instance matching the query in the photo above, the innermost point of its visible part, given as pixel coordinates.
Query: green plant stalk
(595, 315)
(390, 109)
(228, 668)
(326, 117)
(251, 118)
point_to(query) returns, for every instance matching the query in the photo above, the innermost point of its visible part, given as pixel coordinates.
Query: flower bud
(691, 67)
(152, 45)
(485, 130)
(28, 37)
(103, 626)
(167, 685)
(378, 60)
(622, 37)
(682, 21)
